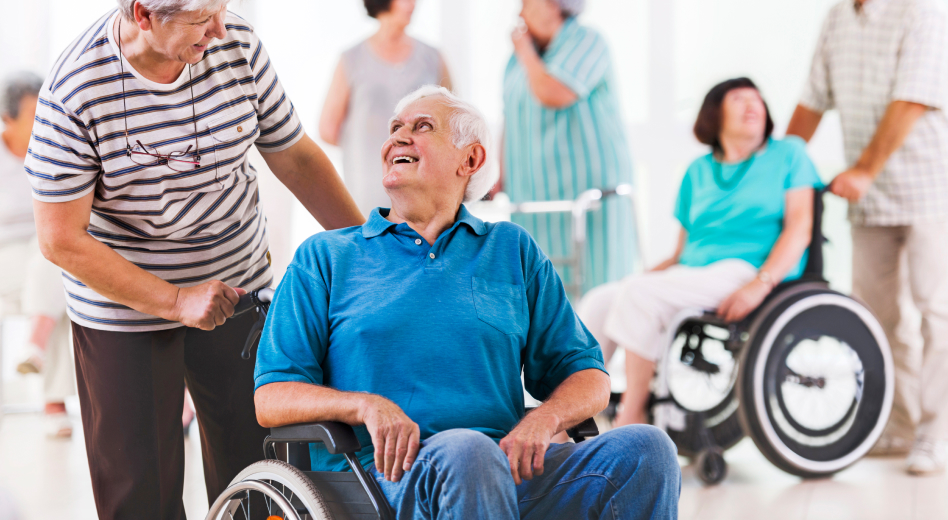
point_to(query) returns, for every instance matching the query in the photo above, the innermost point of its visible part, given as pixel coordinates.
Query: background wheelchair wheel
(700, 376)
(711, 466)
(816, 382)
(270, 488)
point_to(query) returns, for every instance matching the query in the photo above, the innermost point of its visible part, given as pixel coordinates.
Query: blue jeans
(627, 473)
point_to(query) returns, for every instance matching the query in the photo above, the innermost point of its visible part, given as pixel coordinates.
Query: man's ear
(475, 159)
(143, 17)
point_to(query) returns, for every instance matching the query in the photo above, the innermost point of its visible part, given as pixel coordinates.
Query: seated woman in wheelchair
(746, 214)
(416, 327)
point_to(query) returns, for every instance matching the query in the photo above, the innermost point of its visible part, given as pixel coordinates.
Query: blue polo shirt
(442, 330)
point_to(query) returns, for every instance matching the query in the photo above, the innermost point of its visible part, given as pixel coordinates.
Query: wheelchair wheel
(710, 466)
(697, 376)
(270, 489)
(816, 381)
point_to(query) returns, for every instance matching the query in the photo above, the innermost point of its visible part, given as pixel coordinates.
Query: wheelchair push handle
(259, 299)
(252, 300)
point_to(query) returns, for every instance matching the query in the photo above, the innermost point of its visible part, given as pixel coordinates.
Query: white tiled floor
(49, 480)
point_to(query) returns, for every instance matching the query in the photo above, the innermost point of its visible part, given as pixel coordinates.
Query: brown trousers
(131, 391)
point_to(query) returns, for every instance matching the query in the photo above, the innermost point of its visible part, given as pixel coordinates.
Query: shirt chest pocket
(230, 135)
(499, 304)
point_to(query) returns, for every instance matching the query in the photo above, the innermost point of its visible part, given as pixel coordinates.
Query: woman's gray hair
(15, 88)
(571, 7)
(468, 126)
(166, 9)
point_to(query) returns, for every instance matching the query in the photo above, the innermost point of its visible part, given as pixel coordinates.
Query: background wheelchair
(282, 487)
(808, 375)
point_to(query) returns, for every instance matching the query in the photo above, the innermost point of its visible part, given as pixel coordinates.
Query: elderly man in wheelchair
(415, 329)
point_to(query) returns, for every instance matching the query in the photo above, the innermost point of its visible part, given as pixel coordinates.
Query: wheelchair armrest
(338, 437)
(587, 428)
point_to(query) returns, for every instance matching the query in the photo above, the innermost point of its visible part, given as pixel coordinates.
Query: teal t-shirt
(737, 210)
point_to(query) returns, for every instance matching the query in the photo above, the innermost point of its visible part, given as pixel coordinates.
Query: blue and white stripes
(186, 227)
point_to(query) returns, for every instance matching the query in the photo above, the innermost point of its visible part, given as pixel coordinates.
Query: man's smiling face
(420, 151)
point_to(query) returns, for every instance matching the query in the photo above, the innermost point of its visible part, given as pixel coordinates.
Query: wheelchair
(282, 487)
(808, 376)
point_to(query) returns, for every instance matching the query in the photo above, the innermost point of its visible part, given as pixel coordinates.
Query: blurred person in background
(746, 214)
(145, 197)
(563, 135)
(31, 284)
(369, 80)
(884, 65)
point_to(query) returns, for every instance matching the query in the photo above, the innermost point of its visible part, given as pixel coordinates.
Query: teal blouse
(737, 210)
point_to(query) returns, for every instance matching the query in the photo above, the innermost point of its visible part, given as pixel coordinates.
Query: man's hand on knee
(396, 437)
(526, 445)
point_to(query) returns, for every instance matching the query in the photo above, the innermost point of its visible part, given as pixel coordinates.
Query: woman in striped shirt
(146, 199)
(563, 135)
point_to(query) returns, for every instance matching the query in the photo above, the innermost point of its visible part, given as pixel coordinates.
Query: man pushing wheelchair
(415, 328)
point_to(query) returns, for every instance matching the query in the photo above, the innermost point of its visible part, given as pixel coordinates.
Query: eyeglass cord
(128, 146)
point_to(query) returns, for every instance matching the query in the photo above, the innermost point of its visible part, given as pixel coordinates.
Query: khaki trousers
(921, 385)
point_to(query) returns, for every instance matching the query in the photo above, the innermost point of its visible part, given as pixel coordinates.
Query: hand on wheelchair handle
(395, 436)
(205, 306)
(527, 444)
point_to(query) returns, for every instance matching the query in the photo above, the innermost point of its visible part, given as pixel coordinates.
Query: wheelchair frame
(342, 491)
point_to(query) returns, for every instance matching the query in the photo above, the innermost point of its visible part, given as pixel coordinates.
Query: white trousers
(31, 285)
(921, 378)
(636, 311)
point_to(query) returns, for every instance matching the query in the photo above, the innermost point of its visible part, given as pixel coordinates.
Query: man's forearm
(897, 122)
(279, 404)
(804, 123)
(310, 175)
(581, 396)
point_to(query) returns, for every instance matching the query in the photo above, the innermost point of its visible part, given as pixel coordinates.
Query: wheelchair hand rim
(252, 485)
(759, 402)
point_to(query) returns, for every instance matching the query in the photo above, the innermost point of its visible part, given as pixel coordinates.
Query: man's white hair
(166, 9)
(467, 126)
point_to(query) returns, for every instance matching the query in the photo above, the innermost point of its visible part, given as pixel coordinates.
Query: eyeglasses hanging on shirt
(147, 155)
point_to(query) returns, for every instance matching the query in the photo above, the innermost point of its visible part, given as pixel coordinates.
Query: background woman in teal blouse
(563, 135)
(746, 213)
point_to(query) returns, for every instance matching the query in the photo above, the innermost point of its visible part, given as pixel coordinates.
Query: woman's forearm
(310, 175)
(796, 235)
(547, 89)
(65, 242)
(786, 253)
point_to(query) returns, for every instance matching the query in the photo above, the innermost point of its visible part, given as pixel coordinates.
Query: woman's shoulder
(790, 147)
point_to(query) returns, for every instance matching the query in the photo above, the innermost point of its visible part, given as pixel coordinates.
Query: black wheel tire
(711, 466)
(777, 451)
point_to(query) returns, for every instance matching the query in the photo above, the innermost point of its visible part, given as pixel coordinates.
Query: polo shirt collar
(378, 224)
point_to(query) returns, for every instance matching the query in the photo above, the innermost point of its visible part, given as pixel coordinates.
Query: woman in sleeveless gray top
(370, 79)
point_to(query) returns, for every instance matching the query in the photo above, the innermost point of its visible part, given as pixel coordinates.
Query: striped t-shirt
(186, 227)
